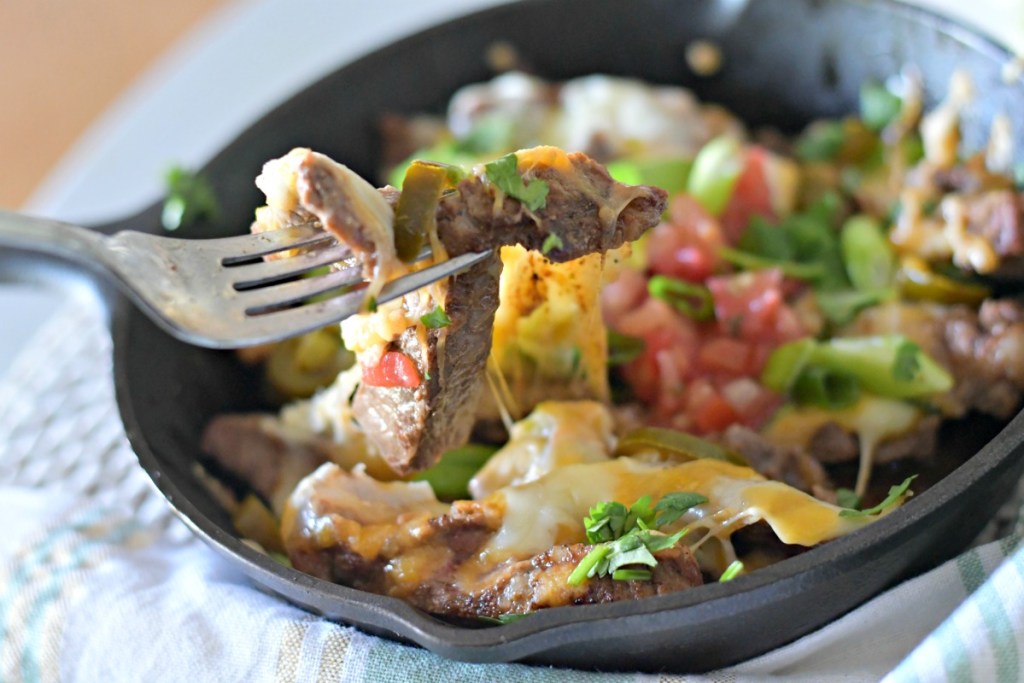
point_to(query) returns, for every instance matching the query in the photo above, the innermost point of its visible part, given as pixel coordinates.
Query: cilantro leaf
(847, 498)
(624, 537)
(436, 319)
(190, 198)
(896, 493)
(504, 173)
(907, 363)
(606, 522)
(672, 506)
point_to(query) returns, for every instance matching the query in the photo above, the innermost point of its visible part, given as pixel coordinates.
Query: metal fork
(221, 293)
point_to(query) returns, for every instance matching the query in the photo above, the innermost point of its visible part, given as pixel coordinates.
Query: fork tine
(315, 315)
(263, 300)
(247, 247)
(253, 275)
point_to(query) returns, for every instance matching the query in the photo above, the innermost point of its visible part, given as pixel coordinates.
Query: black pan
(786, 62)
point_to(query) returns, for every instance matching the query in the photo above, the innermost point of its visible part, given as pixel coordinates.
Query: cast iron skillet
(786, 62)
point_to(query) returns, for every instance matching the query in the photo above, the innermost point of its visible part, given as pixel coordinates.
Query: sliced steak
(586, 211)
(395, 539)
(255, 449)
(791, 464)
(998, 217)
(831, 444)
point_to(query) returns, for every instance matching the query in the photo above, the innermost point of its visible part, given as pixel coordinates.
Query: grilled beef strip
(399, 541)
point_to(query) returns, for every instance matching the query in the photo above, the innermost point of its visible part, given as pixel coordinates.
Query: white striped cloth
(98, 582)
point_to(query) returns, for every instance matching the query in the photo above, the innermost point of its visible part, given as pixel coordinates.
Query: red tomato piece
(726, 355)
(687, 245)
(395, 369)
(747, 304)
(713, 415)
(751, 196)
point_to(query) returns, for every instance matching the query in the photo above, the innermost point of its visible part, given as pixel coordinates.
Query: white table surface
(237, 65)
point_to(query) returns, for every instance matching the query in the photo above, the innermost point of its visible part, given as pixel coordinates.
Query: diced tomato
(687, 245)
(657, 376)
(713, 415)
(747, 304)
(751, 196)
(726, 355)
(395, 369)
(753, 402)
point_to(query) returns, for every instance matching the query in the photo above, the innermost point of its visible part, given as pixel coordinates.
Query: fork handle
(47, 236)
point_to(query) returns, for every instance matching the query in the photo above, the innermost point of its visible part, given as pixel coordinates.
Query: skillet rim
(569, 625)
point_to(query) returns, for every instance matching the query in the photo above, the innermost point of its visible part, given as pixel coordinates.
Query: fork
(222, 293)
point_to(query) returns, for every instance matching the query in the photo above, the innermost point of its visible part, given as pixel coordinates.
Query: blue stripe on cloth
(30, 670)
(39, 555)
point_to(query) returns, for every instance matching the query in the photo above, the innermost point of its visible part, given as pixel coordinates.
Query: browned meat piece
(400, 542)
(588, 212)
(411, 427)
(970, 177)
(998, 217)
(832, 444)
(254, 449)
(986, 357)
(790, 464)
(586, 209)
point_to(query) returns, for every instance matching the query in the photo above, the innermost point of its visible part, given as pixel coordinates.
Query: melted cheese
(548, 511)
(556, 434)
(873, 419)
(933, 239)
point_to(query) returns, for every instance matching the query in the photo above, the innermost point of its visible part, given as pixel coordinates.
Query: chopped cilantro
(624, 538)
(189, 198)
(878, 106)
(504, 173)
(502, 619)
(371, 304)
(436, 319)
(896, 493)
(674, 505)
(847, 498)
(551, 242)
(907, 364)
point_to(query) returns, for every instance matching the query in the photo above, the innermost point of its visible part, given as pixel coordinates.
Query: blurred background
(90, 84)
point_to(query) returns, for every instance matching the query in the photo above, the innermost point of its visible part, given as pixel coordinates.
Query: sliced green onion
(632, 575)
(731, 572)
(878, 106)
(821, 141)
(588, 565)
(690, 299)
(675, 443)
(868, 359)
(669, 173)
(869, 259)
(623, 348)
(840, 306)
(715, 170)
(826, 388)
(847, 498)
(786, 363)
(747, 261)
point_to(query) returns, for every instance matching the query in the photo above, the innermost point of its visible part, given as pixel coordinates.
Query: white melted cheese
(549, 510)
(556, 434)
(873, 419)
